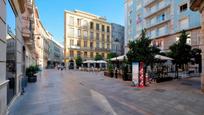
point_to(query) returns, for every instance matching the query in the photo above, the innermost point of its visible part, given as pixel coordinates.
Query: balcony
(26, 28)
(30, 43)
(158, 8)
(102, 49)
(159, 33)
(157, 23)
(29, 5)
(148, 2)
(195, 4)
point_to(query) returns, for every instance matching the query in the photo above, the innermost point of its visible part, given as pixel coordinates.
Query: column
(3, 81)
(202, 48)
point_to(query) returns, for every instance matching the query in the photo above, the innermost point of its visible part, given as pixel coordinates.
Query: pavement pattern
(91, 93)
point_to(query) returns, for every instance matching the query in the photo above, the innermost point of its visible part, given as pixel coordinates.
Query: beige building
(11, 36)
(27, 32)
(41, 37)
(3, 81)
(198, 5)
(85, 35)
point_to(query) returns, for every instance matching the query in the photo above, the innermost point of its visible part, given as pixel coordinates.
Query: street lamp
(116, 43)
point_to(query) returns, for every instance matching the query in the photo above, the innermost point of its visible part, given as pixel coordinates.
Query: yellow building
(86, 35)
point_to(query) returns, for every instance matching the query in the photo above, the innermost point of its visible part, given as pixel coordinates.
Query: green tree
(180, 51)
(140, 50)
(98, 57)
(196, 55)
(78, 61)
(111, 55)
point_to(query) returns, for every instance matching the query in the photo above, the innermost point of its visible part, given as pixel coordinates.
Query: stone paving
(88, 93)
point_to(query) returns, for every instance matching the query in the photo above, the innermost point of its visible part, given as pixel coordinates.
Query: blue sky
(52, 12)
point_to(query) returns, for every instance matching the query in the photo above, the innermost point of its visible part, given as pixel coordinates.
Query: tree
(180, 51)
(98, 57)
(78, 61)
(111, 55)
(196, 55)
(140, 50)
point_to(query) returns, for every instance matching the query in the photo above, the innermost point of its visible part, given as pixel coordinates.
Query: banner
(141, 75)
(135, 73)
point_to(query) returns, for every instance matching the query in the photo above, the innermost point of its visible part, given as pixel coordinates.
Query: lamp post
(116, 43)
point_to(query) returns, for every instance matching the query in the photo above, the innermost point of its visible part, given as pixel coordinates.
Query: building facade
(198, 5)
(56, 55)
(27, 32)
(85, 35)
(117, 41)
(162, 19)
(12, 46)
(3, 81)
(41, 37)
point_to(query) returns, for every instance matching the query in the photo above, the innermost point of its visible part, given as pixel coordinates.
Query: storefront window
(11, 52)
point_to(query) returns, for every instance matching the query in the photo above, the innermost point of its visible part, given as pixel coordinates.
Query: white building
(117, 41)
(162, 19)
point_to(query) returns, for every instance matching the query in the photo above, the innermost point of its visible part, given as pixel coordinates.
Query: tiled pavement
(84, 93)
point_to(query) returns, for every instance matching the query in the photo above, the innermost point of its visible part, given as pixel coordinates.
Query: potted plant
(30, 73)
(110, 70)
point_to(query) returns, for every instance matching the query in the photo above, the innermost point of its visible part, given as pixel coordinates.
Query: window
(103, 45)
(85, 54)
(91, 35)
(91, 44)
(183, 7)
(153, 33)
(85, 24)
(103, 28)
(71, 53)
(71, 42)
(162, 30)
(91, 25)
(103, 55)
(78, 53)
(188, 41)
(108, 46)
(91, 54)
(103, 37)
(79, 43)
(97, 27)
(85, 43)
(161, 17)
(70, 32)
(79, 22)
(183, 23)
(97, 44)
(71, 20)
(108, 38)
(79, 33)
(108, 29)
(97, 36)
(85, 34)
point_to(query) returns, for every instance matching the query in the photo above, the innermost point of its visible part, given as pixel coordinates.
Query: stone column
(202, 48)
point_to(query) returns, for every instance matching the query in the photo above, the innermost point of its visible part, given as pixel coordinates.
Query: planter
(32, 79)
(163, 79)
(108, 74)
(24, 81)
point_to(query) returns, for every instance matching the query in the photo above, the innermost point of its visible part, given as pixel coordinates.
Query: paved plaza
(87, 93)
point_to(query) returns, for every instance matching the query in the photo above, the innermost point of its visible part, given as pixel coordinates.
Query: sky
(52, 12)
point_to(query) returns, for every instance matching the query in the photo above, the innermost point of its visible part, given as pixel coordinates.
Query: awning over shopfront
(101, 61)
(119, 58)
(89, 61)
(163, 57)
